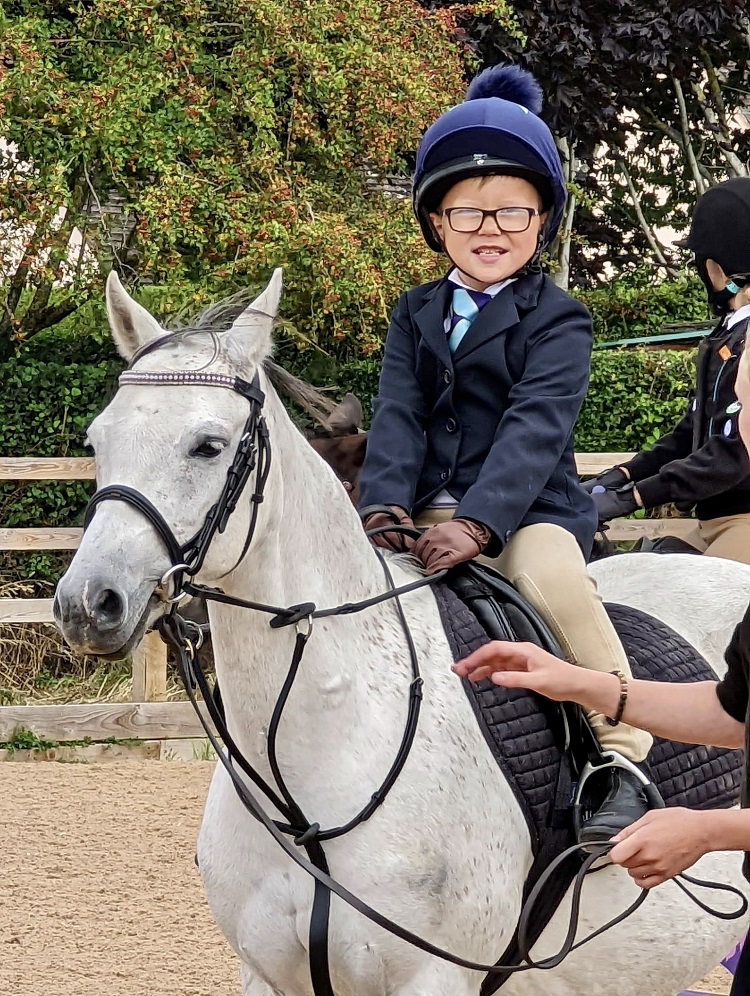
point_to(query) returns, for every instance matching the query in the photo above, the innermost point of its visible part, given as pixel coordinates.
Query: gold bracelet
(623, 699)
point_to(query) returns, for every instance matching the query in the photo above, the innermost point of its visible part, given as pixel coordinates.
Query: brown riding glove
(393, 541)
(451, 543)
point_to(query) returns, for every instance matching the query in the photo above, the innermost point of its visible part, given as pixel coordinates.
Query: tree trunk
(717, 118)
(645, 226)
(561, 246)
(700, 183)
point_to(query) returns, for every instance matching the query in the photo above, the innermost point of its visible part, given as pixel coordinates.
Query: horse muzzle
(98, 617)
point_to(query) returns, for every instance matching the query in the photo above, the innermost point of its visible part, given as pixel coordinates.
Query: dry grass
(37, 666)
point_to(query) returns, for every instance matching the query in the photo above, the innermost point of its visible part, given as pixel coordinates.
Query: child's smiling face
(489, 254)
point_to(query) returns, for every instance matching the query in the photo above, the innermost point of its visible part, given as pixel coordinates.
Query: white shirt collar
(737, 316)
(493, 290)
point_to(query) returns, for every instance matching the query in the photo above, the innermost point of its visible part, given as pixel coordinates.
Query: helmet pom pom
(509, 83)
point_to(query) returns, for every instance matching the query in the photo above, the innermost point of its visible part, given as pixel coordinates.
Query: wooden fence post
(150, 670)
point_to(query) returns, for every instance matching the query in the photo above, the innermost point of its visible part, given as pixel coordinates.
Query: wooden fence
(148, 716)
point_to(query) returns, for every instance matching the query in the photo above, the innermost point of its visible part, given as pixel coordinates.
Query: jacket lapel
(430, 319)
(495, 317)
(500, 313)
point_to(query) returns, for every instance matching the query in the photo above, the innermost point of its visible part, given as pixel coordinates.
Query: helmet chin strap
(720, 300)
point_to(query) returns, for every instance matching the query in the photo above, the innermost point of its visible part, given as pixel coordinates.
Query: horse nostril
(109, 606)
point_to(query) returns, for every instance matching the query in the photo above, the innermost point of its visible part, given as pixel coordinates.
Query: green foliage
(634, 308)
(222, 138)
(45, 408)
(50, 394)
(24, 739)
(634, 397)
(61, 380)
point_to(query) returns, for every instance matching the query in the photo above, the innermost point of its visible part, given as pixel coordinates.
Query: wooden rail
(47, 469)
(103, 721)
(83, 468)
(150, 658)
(148, 717)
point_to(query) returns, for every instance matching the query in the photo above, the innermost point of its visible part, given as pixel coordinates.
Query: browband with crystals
(181, 378)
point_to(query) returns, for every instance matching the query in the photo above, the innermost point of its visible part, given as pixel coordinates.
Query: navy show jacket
(492, 423)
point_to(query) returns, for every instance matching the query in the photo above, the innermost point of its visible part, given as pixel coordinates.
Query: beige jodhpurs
(728, 537)
(546, 565)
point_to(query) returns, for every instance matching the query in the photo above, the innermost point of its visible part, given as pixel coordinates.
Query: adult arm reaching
(690, 713)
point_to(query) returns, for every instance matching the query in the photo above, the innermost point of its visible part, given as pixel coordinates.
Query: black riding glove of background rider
(612, 478)
(611, 503)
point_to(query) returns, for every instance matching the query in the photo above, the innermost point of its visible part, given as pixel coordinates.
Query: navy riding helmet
(496, 130)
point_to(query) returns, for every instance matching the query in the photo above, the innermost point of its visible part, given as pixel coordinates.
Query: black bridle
(254, 453)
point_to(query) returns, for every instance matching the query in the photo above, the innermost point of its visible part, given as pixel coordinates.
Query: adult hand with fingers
(521, 665)
(662, 844)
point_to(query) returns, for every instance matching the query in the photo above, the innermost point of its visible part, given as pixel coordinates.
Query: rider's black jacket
(703, 461)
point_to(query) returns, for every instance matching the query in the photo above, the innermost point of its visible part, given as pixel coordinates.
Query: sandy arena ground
(99, 895)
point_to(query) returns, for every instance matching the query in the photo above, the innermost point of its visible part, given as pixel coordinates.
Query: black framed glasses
(508, 219)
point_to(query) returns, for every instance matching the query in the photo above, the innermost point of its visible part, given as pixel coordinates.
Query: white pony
(447, 854)
(702, 598)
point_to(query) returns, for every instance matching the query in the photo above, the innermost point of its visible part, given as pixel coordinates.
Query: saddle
(542, 746)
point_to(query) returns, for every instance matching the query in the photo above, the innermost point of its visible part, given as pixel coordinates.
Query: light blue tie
(465, 307)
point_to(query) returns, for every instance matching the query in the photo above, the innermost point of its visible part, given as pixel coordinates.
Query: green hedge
(46, 405)
(630, 310)
(634, 396)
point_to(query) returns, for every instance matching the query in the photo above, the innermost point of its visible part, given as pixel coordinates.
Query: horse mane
(220, 316)
(310, 399)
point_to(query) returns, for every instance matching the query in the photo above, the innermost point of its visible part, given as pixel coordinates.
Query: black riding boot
(625, 803)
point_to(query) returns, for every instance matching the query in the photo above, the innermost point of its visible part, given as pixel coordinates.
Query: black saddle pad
(520, 737)
(517, 727)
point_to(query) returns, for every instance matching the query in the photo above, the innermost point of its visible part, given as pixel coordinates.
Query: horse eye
(208, 449)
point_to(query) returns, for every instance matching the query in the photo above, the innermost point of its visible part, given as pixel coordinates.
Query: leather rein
(295, 831)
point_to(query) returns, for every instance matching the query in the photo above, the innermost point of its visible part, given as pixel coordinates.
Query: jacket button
(450, 425)
(445, 475)
(508, 534)
(447, 377)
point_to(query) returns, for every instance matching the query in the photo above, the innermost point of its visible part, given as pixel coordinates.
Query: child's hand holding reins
(451, 543)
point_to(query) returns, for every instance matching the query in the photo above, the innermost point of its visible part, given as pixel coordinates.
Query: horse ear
(346, 417)
(256, 321)
(132, 326)
(267, 302)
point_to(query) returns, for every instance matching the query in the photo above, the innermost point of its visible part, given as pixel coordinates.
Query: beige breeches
(727, 536)
(546, 565)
